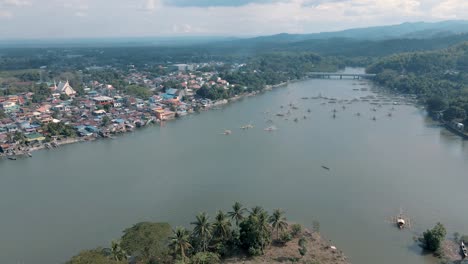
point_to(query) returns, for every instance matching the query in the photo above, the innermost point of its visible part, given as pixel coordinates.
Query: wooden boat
(11, 157)
(29, 154)
(401, 221)
(463, 249)
(247, 127)
(325, 167)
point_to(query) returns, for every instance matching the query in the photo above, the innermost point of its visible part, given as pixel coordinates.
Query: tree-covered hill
(439, 77)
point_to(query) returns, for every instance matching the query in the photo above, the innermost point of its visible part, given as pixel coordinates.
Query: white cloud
(451, 9)
(102, 18)
(152, 5)
(15, 2)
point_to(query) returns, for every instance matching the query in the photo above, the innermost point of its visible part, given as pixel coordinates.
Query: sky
(131, 18)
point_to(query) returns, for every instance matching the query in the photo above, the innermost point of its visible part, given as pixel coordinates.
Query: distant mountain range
(413, 30)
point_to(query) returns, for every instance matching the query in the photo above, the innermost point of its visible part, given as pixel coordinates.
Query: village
(100, 110)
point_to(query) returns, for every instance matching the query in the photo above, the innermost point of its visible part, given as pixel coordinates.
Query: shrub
(296, 229)
(432, 239)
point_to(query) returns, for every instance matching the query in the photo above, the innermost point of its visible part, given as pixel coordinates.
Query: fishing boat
(463, 249)
(11, 157)
(269, 129)
(247, 126)
(29, 154)
(227, 132)
(325, 167)
(401, 221)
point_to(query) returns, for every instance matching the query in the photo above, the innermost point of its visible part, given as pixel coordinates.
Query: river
(83, 195)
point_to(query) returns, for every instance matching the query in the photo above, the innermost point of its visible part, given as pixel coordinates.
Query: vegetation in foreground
(237, 236)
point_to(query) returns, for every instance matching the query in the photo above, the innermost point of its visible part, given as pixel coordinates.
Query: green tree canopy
(147, 240)
(432, 239)
(93, 256)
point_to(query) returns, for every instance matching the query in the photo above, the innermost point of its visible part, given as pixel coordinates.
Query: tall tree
(202, 230)
(179, 242)
(256, 211)
(278, 221)
(237, 213)
(221, 226)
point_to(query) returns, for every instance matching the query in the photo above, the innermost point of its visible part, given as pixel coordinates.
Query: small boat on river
(325, 167)
(463, 249)
(271, 128)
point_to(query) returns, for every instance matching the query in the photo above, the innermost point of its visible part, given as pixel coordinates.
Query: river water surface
(82, 196)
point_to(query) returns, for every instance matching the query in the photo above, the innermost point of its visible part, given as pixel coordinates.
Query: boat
(400, 222)
(11, 157)
(463, 249)
(29, 154)
(269, 129)
(247, 126)
(308, 110)
(453, 128)
(325, 167)
(227, 132)
(279, 114)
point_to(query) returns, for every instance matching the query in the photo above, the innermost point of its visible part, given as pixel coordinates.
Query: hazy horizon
(76, 19)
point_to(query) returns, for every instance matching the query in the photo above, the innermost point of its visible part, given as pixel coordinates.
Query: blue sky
(124, 18)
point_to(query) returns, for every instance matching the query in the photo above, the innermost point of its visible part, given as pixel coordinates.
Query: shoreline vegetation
(241, 235)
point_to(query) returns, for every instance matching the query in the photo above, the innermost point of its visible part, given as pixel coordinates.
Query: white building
(65, 88)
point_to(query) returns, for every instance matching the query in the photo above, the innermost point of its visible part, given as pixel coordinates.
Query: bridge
(328, 75)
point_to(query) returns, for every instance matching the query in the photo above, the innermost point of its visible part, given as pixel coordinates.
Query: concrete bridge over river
(328, 75)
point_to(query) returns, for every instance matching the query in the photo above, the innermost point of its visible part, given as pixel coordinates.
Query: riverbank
(318, 250)
(26, 150)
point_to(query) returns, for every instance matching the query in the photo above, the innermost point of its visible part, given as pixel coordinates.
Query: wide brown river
(82, 196)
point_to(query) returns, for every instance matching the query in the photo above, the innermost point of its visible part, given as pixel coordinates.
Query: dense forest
(440, 78)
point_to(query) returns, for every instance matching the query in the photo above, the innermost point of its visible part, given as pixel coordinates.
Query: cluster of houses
(102, 110)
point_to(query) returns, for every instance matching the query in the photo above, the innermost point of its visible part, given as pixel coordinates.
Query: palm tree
(202, 230)
(221, 225)
(180, 241)
(256, 211)
(278, 221)
(237, 213)
(263, 226)
(118, 253)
